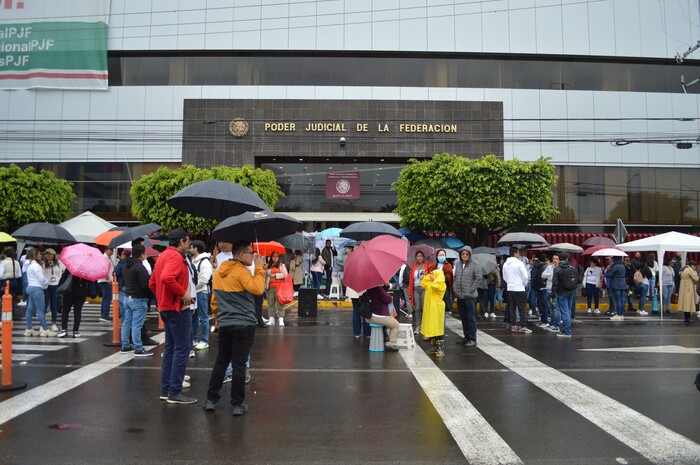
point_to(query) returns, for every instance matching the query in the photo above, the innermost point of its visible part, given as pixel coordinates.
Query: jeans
(359, 324)
(25, 296)
(229, 368)
(106, 289)
(329, 279)
(234, 347)
(543, 304)
(35, 303)
(517, 301)
(122, 299)
(612, 298)
(643, 290)
(134, 315)
(564, 306)
(630, 296)
(200, 319)
(591, 294)
(532, 299)
(620, 295)
(317, 275)
(418, 298)
(492, 298)
(407, 300)
(467, 313)
(178, 327)
(51, 300)
(667, 289)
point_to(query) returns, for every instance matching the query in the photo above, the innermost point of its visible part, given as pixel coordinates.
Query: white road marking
(47, 340)
(24, 357)
(477, 440)
(628, 426)
(20, 333)
(37, 347)
(650, 349)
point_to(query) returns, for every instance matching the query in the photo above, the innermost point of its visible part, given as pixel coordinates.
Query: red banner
(343, 185)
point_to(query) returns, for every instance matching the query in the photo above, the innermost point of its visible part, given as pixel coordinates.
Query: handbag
(285, 290)
(66, 286)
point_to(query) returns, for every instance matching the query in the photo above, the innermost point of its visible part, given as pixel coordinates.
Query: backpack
(638, 277)
(568, 278)
(365, 306)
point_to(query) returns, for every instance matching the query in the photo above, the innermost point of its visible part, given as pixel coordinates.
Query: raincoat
(686, 294)
(433, 323)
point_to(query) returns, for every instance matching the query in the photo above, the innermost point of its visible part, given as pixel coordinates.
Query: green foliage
(452, 193)
(150, 193)
(29, 197)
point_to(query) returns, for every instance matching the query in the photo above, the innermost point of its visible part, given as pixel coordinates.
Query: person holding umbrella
(74, 297)
(53, 270)
(276, 272)
(36, 283)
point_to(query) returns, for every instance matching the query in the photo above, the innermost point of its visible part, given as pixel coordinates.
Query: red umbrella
(598, 240)
(83, 261)
(373, 262)
(266, 248)
(590, 250)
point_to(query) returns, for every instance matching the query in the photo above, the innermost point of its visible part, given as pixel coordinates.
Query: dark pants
(543, 305)
(517, 302)
(234, 347)
(51, 299)
(467, 313)
(259, 309)
(106, 289)
(592, 295)
(359, 324)
(492, 298)
(483, 302)
(329, 279)
(76, 301)
(178, 327)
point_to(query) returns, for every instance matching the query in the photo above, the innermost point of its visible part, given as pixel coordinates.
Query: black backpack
(365, 307)
(568, 278)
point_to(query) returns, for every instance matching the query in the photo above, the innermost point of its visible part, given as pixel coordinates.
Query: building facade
(328, 89)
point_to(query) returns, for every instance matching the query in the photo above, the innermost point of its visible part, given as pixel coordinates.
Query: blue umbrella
(330, 232)
(411, 235)
(452, 242)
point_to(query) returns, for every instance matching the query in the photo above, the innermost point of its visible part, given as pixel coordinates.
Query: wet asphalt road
(318, 396)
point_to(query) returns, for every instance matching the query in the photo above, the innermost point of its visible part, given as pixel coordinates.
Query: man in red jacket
(169, 282)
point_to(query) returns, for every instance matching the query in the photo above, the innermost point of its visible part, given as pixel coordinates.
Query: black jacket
(136, 279)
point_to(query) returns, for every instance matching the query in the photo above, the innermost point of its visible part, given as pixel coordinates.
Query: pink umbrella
(428, 253)
(598, 240)
(83, 261)
(373, 262)
(595, 248)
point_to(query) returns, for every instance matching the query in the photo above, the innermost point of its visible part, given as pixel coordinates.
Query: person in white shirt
(36, 283)
(200, 321)
(53, 269)
(106, 288)
(516, 277)
(11, 272)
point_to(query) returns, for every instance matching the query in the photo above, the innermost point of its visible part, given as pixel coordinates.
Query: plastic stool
(336, 289)
(405, 336)
(376, 339)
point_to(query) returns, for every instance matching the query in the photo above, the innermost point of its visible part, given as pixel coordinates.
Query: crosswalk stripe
(628, 426)
(47, 340)
(477, 440)
(20, 333)
(23, 357)
(38, 347)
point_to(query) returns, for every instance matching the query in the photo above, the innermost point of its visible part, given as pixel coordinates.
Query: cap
(177, 234)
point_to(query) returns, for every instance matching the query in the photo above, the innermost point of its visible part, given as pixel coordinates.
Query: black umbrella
(488, 250)
(134, 233)
(298, 241)
(366, 230)
(434, 243)
(523, 239)
(216, 200)
(255, 226)
(43, 233)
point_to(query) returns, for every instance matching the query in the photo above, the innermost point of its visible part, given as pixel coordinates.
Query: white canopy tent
(667, 242)
(86, 226)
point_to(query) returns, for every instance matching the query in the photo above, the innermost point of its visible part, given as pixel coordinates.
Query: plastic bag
(285, 290)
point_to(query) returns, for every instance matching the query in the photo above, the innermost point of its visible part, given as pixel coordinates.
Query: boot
(686, 316)
(440, 346)
(433, 347)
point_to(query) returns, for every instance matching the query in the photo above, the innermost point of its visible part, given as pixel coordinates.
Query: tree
(150, 193)
(474, 197)
(29, 197)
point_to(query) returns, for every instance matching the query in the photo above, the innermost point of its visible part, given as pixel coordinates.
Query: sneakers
(541, 324)
(31, 332)
(271, 321)
(589, 312)
(163, 396)
(596, 311)
(470, 343)
(227, 379)
(47, 333)
(186, 384)
(616, 318)
(54, 328)
(563, 335)
(514, 329)
(201, 345)
(208, 406)
(239, 410)
(127, 350)
(187, 377)
(62, 333)
(181, 399)
(492, 315)
(191, 353)
(105, 320)
(247, 376)
(642, 313)
(524, 330)
(143, 353)
(22, 303)
(280, 322)
(552, 329)
(76, 333)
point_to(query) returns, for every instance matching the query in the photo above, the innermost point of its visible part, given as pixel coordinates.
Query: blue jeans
(24, 287)
(229, 368)
(667, 289)
(178, 327)
(543, 304)
(532, 299)
(134, 315)
(592, 295)
(620, 295)
(564, 311)
(35, 304)
(359, 324)
(643, 290)
(51, 299)
(200, 320)
(122, 304)
(106, 289)
(467, 313)
(317, 275)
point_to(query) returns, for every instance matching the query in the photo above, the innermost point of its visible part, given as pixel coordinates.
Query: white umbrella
(609, 253)
(86, 227)
(566, 247)
(524, 239)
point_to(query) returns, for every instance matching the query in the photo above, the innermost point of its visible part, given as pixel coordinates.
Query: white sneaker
(616, 318)
(46, 333)
(22, 303)
(31, 332)
(642, 313)
(185, 385)
(280, 322)
(271, 321)
(54, 328)
(187, 377)
(529, 313)
(201, 345)
(191, 353)
(492, 315)
(62, 333)
(589, 312)
(596, 311)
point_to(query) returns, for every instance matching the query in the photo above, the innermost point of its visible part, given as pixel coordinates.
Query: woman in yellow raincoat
(433, 324)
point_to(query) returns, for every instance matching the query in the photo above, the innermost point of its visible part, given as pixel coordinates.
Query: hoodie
(515, 275)
(205, 271)
(135, 279)
(233, 291)
(467, 276)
